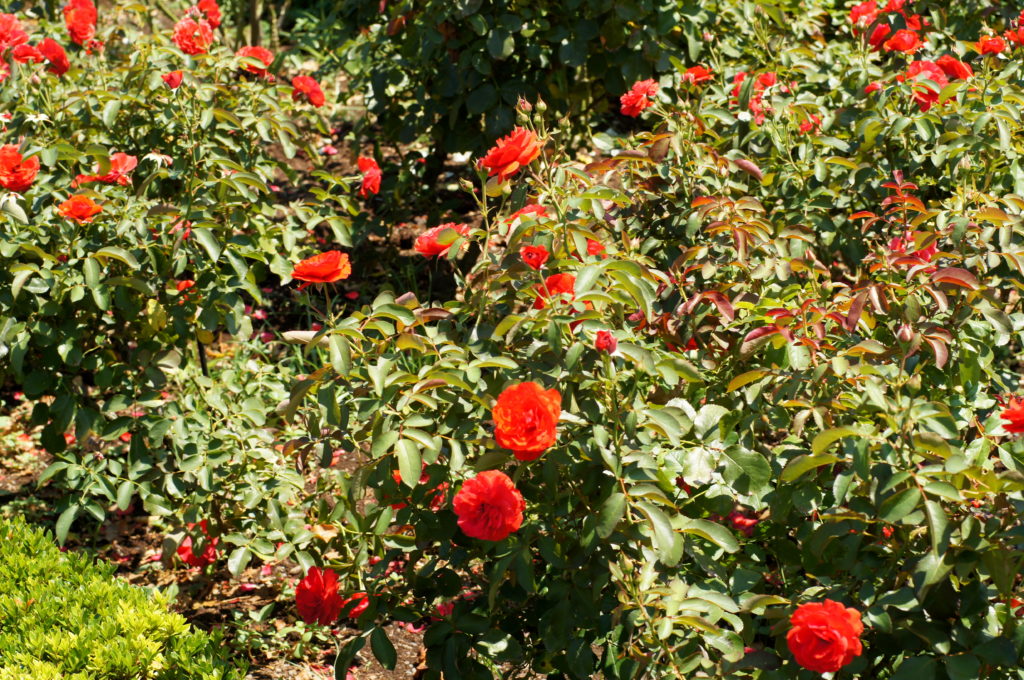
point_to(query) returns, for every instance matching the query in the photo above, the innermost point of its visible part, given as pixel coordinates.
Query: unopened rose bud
(541, 106)
(524, 105)
(605, 342)
(905, 332)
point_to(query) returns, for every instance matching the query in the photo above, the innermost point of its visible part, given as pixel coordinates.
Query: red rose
(489, 506)
(825, 636)
(595, 248)
(307, 88)
(207, 9)
(530, 209)
(534, 256)
(16, 172)
(371, 176)
(525, 419)
(904, 41)
(954, 68)
(193, 37)
(359, 603)
(873, 86)
(79, 208)
(427, 243)
(121, 165)
(1013, 414)
(556, 284)
(26, 53)
(1015, 35)
(864, 14)
(11, 33)
(638, 98)
(327, 267)
(188, 556)
(184, 284)
(991, 44)
(511, 153)
(316, 597)
(261, 54)
(878, 35)
(811, 124)
(695, 75)
(173, 79)
(605, 342)
(80, 19)
(55, 56)
(927, 80)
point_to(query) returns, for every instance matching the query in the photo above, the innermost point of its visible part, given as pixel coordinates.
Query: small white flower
(744, 116)
(37, 118)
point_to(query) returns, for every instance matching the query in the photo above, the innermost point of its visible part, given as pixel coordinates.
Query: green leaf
(612, 511)
(383, 649)
(803, 463)
(937, 522)
(711, 531)
(238, 559)
(208, 241)
(110, 111)
(962, 667)
(896, 507)
(666, 543)
(829, 437)
(708, 418)
(341, 354)
(118, 254)
(409, 462)
(125, 491)
(64, 523)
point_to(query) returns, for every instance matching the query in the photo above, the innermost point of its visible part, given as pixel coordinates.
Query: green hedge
(66, 616)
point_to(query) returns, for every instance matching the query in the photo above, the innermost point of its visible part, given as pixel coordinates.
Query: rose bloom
(954, 68)
(173, 79)
(525, 419)
(16, 172)
(327, 267)
(695, 75)
(991, 44)
(825, 636)
(427, 243)
(511, 153)
(207, 9)
(813, 123)
(554, 285)
(26, 53)
(80, 19)
(904, 41)
(261, 54)
(879, 35)
(873, 86)
(79, 208)
(121, 165)
(864, 14)
(535, 209)
(605, 342)
(307, 88)
(371, 176)
(185, 552)
(918, 74)
(595, 248)
(359, 603)
(316, 597)
(638, 98)
(55, 56)
(11, 32)
(534, 256)
(489, 506)
(193, 37)
(1015, 35)
(1013, 414)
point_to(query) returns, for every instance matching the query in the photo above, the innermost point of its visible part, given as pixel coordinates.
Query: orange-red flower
(927, 79)
(316, 597)
(261, 54)
(173, 79)
(954, 68)
(26, 53)
(327, 267)
(371, 176)
(904, 41)
(605, 342)
(11, 33)
(193, 37)
(79, 208)
(16, 172)
(80, 19)
(355, 604)
(511, 153)
(307, 88)
(991, 44)
(638, 98)
(553, 286)
(825, 636)
(864, 14)
(189, 556)
(489, 506)
(55, 56)
(695, 75)
(534, 256)
(427, 243)
(535, 209)
(525, 419)
(1013, 414)
(121, 166)
(207, 9)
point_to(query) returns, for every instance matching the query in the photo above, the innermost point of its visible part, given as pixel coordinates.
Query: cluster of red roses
(928, 78)
(641, 95)
(194, 34)
(79, 18)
